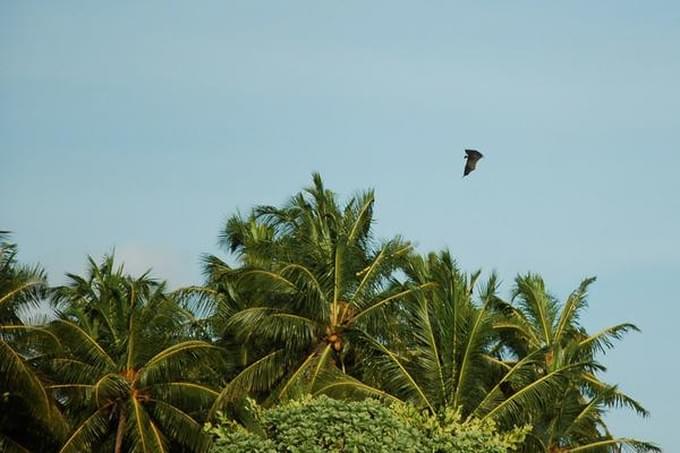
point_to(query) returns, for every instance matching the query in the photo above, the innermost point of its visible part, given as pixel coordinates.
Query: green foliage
(29, 416)
(571, 416)
(327, 425)
(447, 432)
(131, 378)
(311, 279)
(314, 305)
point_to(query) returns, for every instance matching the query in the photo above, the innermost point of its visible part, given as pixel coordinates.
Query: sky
(142, 126)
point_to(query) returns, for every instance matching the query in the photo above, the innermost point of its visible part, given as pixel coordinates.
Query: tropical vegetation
(309, 333)
(324, 424)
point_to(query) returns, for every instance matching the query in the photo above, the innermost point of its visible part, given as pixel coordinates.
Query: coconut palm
(572, 420)
(129, 378)
(444, 352)
(29, 417)
(311, 277)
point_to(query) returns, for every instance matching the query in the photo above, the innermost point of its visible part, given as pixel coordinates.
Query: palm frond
(89, 432)
(259, 375)
(394, 297)
(171, 359)
(546, 388)
(397, 375)
(604, 339)
(179, 426)
(16, 374)
(342, 386)
(474, 343)
(296, 376)
(81, 342)
(615, 398)
(148, 438)
(189, 395)
(623, 442)
(575, 302)
(536, 304)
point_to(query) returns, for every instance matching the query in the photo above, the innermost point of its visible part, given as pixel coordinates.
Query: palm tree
(311, 278)
(129, 377)
(29, 417)
(571, 420)
(444, 352)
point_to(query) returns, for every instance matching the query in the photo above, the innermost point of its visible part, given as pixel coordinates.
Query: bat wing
(469, 166)
(472, 156)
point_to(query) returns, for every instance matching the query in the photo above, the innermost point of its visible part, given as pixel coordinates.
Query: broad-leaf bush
(327, 425)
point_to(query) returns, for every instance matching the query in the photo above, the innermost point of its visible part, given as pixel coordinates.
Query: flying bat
(472, 156)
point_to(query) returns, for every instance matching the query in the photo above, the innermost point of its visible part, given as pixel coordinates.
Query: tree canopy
(310, 333)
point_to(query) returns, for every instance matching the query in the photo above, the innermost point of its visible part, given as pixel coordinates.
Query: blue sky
(143, 125)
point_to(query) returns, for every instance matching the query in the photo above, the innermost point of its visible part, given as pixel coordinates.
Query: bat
(472, 156)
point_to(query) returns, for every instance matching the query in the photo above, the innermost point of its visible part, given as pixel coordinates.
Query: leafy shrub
(328, 425)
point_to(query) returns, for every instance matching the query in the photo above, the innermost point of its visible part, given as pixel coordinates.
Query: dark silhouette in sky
(472, 156)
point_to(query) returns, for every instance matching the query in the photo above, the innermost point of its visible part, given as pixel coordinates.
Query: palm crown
(130, 377)
(311, 279)
(29, 416)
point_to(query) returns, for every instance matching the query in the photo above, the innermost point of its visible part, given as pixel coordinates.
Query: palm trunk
(120, 432)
